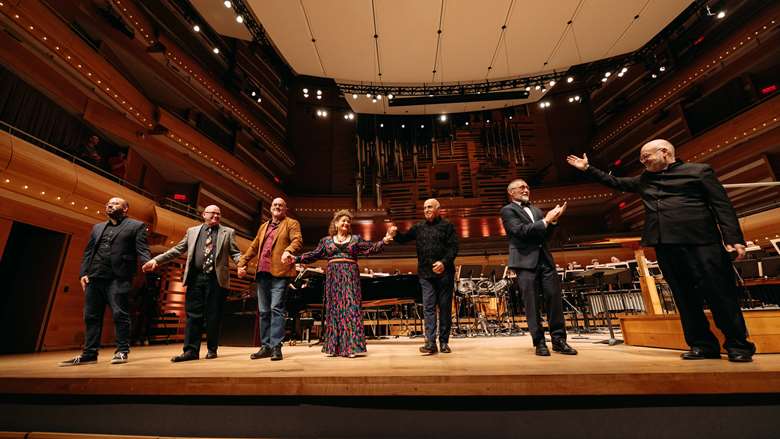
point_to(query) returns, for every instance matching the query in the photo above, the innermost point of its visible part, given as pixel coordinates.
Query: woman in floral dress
(344, 335)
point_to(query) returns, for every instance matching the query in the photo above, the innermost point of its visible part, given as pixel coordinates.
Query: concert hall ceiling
(434, 42)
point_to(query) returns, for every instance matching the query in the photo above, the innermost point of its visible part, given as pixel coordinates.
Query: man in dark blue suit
(107, 268)
(692, 225)
(528, 230)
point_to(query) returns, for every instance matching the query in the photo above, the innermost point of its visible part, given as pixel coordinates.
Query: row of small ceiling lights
(719, 15)
(26, 187)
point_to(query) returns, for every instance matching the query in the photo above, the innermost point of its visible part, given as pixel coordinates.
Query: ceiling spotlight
(538, 87)
(381, 125)
(662, 69)
(528, 88)
(467, 124)
(239, 19)
(653, 76)
(510, 117)
(488, 121)
(324, 113)
(721, 15)
(305, 90)
(620, 75)
(306, 95)
(319, 92)
(351, 116)
(346, 116)
(443, 118)
(390, 96)
(379, 97)
(196, 28)
(368, 95)
(227, 4)
(319, 113)
(571, 99)
(577, 98)
(570, 79)
(319, 96)
(624, 70)
(372, 100)
(603, 79)
(552, 83)
(422, 126)
(403, 126)
(259, 99)
(354, 96)
(216, 50)
(254, 94)
(607, 74)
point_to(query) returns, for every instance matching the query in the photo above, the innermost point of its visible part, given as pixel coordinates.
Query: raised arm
(625, 184)
(366, 248)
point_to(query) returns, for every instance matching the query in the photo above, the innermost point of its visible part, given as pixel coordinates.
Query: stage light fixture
(552, 83)
(721, 15)
(216, 50)
(227, 4)
(570, 79)
(354, 96)
(196, 28)
(239, 19)
(390, 96)
(662, 69)
(319, 92)
(443, 118)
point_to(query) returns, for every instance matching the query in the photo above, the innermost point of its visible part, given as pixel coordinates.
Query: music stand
(612, 341)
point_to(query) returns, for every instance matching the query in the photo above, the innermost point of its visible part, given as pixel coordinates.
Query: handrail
(178, 207)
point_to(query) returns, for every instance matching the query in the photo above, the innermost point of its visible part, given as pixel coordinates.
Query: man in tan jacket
(274, 245)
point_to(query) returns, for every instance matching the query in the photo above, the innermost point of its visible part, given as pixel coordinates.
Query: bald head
(431, 209)
(278, 209)
(212, 215)
(116, 208)
(657, 155)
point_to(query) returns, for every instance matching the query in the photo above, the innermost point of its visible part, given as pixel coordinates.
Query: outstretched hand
(580, 163)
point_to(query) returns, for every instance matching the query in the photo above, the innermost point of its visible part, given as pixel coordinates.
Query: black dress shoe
(740, 357)
(445, 348)
(264, 352)
(276, 355)
(429, 348)
(187, 356)
(562, 347)
(542, 351)
(700, 354)
(211, 355)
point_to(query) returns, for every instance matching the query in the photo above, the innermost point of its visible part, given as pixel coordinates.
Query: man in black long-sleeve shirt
(437, 247)
(692, 224)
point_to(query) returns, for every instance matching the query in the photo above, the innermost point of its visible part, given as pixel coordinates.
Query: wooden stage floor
(494, 366)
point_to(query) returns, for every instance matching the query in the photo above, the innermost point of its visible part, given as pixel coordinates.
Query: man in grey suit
(209, 248)
(528, 230)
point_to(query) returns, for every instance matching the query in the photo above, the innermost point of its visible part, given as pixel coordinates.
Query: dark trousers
(545, 279)
(703, 273)
(100, 292)
(203, 304)
(270, 303)
(437, 291)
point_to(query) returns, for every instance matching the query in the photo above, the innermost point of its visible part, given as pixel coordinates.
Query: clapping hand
(555, 213)
(577, 162)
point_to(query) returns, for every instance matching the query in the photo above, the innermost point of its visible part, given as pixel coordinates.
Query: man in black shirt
(107, 270)
(437, 247)
(692, 224)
